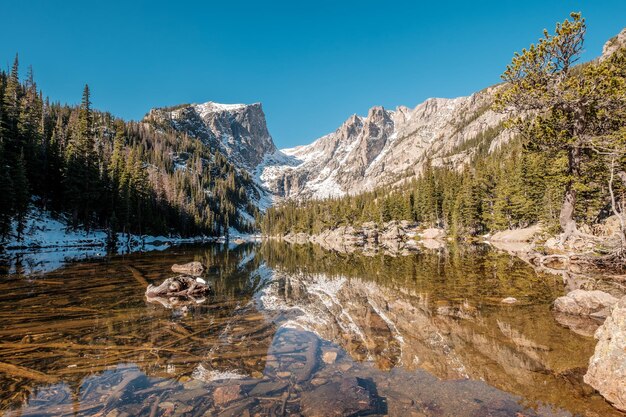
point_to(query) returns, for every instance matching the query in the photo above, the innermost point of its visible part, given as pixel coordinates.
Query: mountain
(384, 147)
(238, 131)
(387, 146)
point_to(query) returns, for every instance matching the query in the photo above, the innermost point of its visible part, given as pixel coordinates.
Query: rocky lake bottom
(293, 330)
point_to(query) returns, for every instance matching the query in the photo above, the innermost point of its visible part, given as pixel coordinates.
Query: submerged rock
(329, 357)
(584, 303)
(341, 398)
(607, 366)
(192, 268)
(226, 394)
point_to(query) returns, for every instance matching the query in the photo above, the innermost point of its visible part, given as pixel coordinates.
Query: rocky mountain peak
(239, 131)
(351, 127)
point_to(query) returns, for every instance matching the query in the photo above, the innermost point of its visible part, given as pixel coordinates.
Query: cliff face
(238, 131)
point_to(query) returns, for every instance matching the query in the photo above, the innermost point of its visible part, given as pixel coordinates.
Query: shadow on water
(293, 330)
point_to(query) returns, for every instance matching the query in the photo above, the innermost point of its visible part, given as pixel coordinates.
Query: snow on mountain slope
(238, 131)
(385, 147)
(48, 242)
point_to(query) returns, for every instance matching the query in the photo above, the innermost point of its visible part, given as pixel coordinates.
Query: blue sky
(311, 64)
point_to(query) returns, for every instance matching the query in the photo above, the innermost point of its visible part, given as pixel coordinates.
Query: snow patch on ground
(48, 243)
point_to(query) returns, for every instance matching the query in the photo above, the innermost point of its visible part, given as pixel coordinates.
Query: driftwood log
(178, 290)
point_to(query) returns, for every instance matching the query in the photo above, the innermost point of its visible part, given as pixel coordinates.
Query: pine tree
(6, 191)
(21, 194)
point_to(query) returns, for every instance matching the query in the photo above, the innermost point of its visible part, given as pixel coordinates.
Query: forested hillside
(565, 166)
(98, 171)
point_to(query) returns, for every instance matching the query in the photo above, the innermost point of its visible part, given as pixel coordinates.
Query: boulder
(584, 303)
(192, 268)
(516, 235)
(607, 366)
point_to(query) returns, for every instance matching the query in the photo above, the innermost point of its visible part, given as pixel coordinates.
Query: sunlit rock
(607, 366)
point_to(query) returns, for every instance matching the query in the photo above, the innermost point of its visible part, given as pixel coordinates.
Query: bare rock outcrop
(607, 367)
(516, 235)
(614, 44)
(238, 131)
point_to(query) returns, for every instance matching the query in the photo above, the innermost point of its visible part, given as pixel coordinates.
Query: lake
(293, 330)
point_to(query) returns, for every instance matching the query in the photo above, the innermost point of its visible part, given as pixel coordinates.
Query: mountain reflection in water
(293, 330)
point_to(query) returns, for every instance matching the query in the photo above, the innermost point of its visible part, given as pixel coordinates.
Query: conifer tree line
(102, 172)
(565, 168)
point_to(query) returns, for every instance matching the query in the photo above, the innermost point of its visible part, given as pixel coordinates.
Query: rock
(370, 232)
(269, 387)
(516, 235)
(509, 300)
(613, 45)
(607, 366)
(318, 381)
(345, 366)
(433, 233)
(226, 394)
(584, 303)
(192, 268)
(432, 244)
(167, 405)
(336, 399)
(329, 357)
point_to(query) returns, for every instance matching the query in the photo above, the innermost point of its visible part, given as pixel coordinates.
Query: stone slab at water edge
(607, 367)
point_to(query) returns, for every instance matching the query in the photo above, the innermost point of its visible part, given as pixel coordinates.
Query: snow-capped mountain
(238, 131)
(385, 147)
